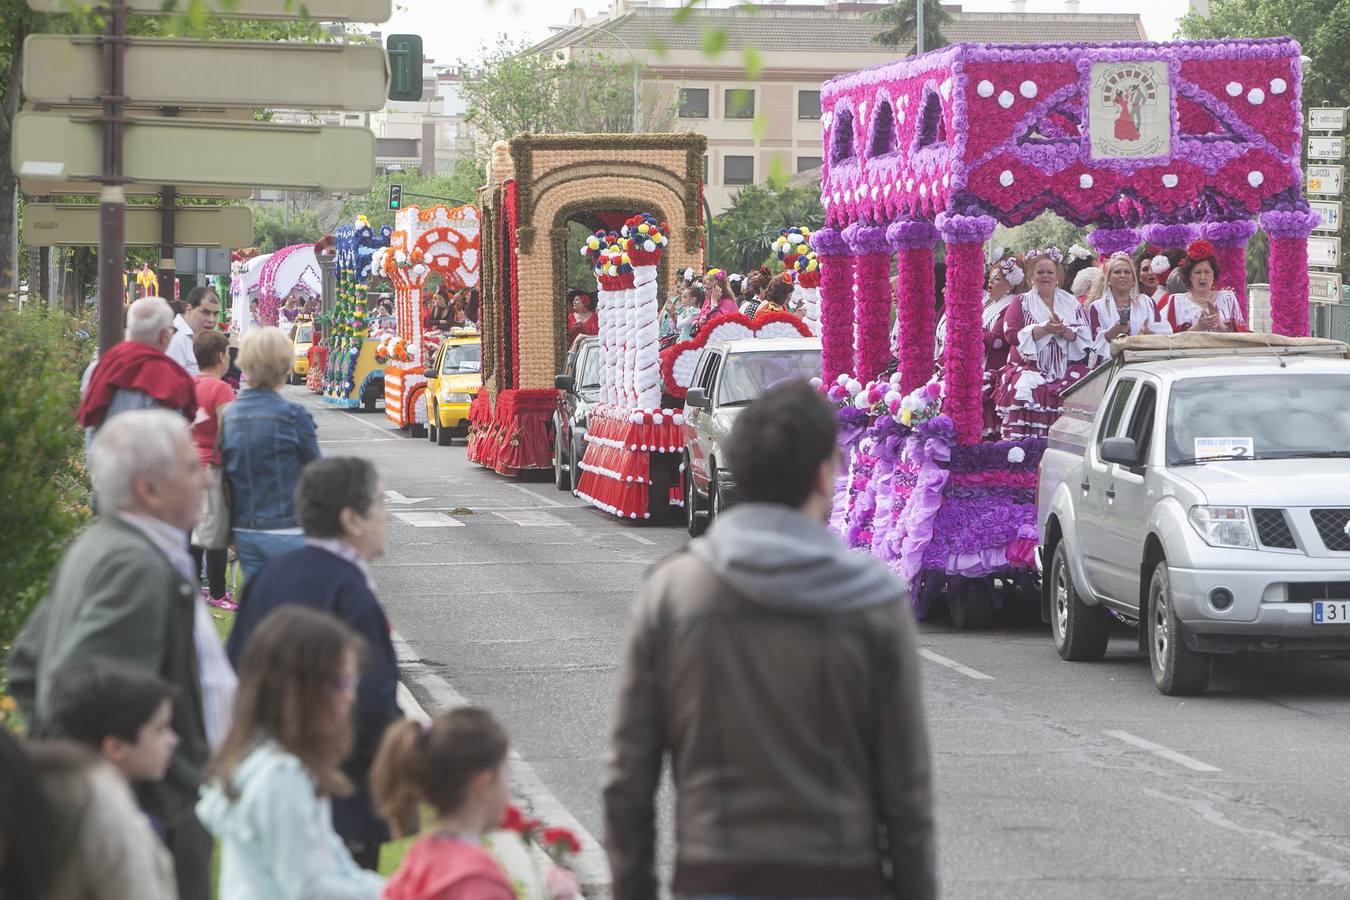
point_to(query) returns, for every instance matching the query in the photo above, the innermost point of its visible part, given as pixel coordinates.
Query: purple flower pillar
(1114, 240)
(963, 353)
(871, 279)
(913, 242)
(836, 303)
(1289, 232)
(1230, 247)
(1169, 237)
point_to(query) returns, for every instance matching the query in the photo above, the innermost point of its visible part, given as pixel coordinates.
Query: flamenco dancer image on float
(1118, 309)
(1047, 331)
(1202, 308)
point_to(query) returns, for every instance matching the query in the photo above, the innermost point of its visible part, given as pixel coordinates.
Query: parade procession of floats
(1158, 144)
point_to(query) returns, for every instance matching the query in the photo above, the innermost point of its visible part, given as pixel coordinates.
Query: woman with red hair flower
(1048, 333)
(1202, 307)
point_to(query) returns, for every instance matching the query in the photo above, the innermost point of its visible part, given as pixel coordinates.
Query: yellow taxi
(302, 338)
(453, 380)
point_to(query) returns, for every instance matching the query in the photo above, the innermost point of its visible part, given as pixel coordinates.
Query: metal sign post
(112, 201)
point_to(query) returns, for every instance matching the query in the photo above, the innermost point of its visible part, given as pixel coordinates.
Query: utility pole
(112, 206)
(918, 27)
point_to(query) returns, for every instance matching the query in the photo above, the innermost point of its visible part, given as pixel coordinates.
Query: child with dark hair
(122, 713)
(456, 765)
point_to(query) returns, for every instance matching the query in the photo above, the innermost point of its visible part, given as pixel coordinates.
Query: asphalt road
(1054, 779)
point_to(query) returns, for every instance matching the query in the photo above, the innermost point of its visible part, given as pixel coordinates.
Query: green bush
(44, 489)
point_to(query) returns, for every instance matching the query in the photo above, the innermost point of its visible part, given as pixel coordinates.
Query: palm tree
(901, 27)
(745, 232)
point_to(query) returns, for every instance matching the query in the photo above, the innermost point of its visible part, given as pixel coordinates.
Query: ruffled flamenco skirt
(1027, 402)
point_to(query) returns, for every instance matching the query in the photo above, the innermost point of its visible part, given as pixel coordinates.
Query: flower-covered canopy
(1112, 134)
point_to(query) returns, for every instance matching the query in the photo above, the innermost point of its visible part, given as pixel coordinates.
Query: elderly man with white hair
(136, 373)
(125, 591)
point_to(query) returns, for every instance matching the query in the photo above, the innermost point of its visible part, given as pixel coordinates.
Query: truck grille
(1331, 526)
(1273, 529)
(1308, 591)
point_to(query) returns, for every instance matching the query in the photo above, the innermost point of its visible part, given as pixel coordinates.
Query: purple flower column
(963, 353)
(1230, 247)
(1289, 232)
(836, 303)
(1114, 240)
(871, 281)
(913, 242)
(1169, 237)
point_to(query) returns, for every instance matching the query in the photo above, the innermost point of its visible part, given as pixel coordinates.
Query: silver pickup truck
(1199, 487)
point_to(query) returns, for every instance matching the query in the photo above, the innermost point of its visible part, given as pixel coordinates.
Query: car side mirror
(564, 383)
(697, 398)
(430, 373)
(1120, 450)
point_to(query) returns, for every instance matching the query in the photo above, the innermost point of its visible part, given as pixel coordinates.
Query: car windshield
(304, 334)
(747, 375)
(462, 358)
(1282, 415)
(588, 372)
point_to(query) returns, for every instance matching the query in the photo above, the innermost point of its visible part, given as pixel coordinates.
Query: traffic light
(405, 66)
(395, 196)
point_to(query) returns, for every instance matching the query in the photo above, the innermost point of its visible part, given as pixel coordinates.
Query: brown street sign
(69, 69)
(57, 147)
(62, 225)
(321, 10)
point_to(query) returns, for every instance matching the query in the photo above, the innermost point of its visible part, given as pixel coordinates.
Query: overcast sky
(455, 29)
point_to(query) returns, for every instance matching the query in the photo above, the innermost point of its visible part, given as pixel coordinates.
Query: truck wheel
(971, 604)
(444, 436)
(658, 489)
(716, 503)
(432, 420)
(695, 523)
(562, 479)
(1177, 669)
(1081, 632)
(574, 466)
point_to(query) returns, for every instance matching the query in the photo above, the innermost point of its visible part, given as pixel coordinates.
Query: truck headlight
(1224, 526)
(459, 398)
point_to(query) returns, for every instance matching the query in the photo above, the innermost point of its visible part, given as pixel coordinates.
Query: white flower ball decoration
(1016, 455)
(1005, 178)
(1027, 89)
(1278, 86)
(1006, 99)
(1256, 179)
(1085, 181)
(1256, 96)
(1234, 89)
(1169, 180)
(985, 88)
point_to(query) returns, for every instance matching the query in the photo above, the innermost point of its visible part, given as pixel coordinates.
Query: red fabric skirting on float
(318, 362)
(616, 467)
(517, 437)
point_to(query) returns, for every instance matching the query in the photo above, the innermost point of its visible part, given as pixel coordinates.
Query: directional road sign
(1330, 147)
(65, 225)
(320, 10)
(1324, 287)
(63, 69)
(1324, 251)
(41, 187)
(1331, 215)
(1326, 118)
(206, 260)
(1326, 181)
(325, 158)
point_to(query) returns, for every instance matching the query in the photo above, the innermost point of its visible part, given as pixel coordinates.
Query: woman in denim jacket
(265, 441)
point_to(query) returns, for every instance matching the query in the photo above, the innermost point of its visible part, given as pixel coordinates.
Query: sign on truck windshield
(1282, 415)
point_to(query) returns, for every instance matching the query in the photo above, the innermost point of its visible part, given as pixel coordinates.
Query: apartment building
(799, 48)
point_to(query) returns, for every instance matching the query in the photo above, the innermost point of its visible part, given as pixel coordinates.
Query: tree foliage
(1046, 230)
(742, 236)
(513, 90)
(458, 187)
(901, 24)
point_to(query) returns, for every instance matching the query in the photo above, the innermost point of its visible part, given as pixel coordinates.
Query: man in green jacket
(125, 591)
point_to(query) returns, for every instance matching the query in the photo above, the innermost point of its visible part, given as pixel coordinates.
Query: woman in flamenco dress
(1202, 307)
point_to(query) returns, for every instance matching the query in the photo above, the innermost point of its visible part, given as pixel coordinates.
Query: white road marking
(953, 665)
(396, 497)
(591, 865)
(428, 520)
(639, 538)
(530, 518)
(539, 498)
(1159, 750)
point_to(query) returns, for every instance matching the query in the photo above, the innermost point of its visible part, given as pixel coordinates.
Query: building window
(740, 103)
(693, 103)
(808, 104)
(738, 170)
(807, 163)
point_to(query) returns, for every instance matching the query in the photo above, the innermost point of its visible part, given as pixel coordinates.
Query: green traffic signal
(405, 66)
(395, 196)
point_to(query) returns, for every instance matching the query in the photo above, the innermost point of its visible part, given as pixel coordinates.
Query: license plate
(1331, 612)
